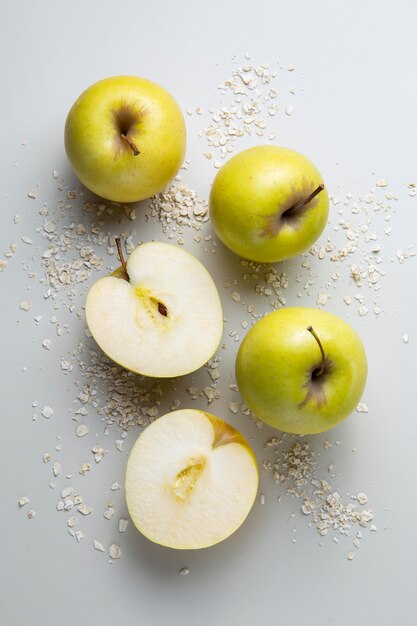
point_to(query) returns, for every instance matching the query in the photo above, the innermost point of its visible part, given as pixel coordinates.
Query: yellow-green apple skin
(112, 118)
(256, 204)
(277, 366)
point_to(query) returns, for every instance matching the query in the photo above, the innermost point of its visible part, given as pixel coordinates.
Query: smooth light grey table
(355, 116)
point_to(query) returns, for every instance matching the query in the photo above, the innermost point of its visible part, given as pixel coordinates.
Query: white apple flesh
(191, 480)
(163, 318)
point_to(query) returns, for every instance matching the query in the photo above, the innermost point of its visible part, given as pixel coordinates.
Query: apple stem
(130, 143)
(120, 253)
(309, 198)
(320, 371)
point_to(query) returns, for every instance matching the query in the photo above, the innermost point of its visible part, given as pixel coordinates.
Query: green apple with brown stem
(125, 138)
(301, 370)
(268, 204)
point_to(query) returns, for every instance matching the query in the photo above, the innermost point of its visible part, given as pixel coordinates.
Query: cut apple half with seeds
(191, 480)
(159, 315)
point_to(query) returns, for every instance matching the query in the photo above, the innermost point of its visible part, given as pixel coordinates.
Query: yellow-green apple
(191, 480)
(159, 314)
(125, 138)
(268, 204)
(301, 370)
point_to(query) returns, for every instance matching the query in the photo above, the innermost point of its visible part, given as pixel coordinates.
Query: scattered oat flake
(47, 343)
(362, 408)
(362, 498)
(350, 556)
(115, 486)
(99, 453)
(321, 299)
(81, 430)
(405, 338)
(184, 571)
(23, 500)
(26, 305)
(79, 535)
(235, 296)
(98, 546)
(109, 512)
(233, 407)
(123, 524)
(84, 509)
(84, 469)
(31, 513)
(56, 469)
(47, 412)
(115, 551)
(32, 194)
(26, 239)
(382, 182)
(3, 264)
(119, 443)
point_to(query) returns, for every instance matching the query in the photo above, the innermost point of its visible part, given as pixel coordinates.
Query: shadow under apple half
(159, 314)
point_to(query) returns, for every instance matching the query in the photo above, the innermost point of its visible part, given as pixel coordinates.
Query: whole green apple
(268, 204)
(125, 138)
(301, 370)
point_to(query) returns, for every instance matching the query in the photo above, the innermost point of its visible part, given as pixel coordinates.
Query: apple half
(159, 314)
(191, 480)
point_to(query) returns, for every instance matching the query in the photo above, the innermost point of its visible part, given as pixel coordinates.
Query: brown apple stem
(130, 143)
(320, 371)
(309, 198)
(120, 253)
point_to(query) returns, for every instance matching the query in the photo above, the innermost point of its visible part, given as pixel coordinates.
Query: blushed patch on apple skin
(286, 215)
(314, 385)
(126, 117)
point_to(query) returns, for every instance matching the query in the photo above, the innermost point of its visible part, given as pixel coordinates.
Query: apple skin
(104, 162)
(252, 191)
(197, 514)
(274, 368)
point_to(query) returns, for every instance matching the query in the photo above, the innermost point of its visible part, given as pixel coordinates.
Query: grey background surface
(355, 116)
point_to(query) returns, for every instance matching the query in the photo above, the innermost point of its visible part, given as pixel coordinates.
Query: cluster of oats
(177, 208)
(127, 399)
(296, 469)
(252, 100)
